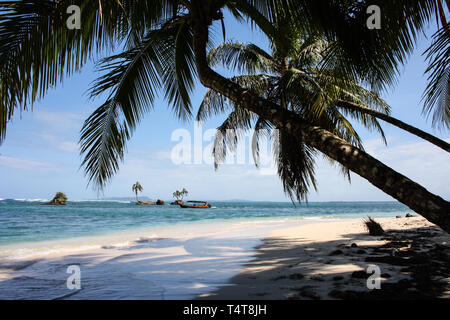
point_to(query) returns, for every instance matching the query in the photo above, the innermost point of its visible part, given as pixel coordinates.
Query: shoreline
(273, 258)
(329, 261)
(128, 235)
(177, 263)
(123, 238)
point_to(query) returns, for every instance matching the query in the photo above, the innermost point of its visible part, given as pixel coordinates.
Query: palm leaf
(437, 94)
(132, 79)
(295, 162)
(243, 58)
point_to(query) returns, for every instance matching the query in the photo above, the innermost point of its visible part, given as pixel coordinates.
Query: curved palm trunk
(422, 134)
(432, 207)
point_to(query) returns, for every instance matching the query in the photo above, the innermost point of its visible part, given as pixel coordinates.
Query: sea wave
(46, 200)
(99, 200)
(26, 200)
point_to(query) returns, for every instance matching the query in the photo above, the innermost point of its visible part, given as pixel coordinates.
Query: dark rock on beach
(296, 276)
(336, 252)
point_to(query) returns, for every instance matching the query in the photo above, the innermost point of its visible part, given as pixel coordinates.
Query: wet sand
(330, 261)
(174, 262)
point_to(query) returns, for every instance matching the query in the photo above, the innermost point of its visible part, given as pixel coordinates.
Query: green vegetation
(137, 188)
(59, 199)
(166, 50)
(179, 195)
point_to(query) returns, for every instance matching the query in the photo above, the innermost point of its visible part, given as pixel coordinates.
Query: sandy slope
(310, 261)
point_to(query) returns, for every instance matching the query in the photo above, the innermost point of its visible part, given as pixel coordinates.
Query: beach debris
(317, 277)
(336, 252)
(296, 276)
(398, 217)
(408, 215)
(308, 292)
(374, 228)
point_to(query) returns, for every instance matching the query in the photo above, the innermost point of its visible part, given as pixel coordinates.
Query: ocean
(125, 251)
(30, 221)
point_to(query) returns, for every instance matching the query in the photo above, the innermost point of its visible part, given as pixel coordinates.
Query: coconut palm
(298, 83)
(184, 193)
(137, 188)
(437, 94)
(294, 79)
(179, 195)
(163, 48)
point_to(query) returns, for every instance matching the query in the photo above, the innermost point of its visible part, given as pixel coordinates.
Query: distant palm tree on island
(137, 187)
(179, 195)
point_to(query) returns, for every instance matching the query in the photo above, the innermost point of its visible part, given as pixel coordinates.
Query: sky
(40, 155)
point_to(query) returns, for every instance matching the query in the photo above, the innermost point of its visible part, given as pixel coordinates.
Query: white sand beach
(312, 261)
(175, 262)
(293, 259)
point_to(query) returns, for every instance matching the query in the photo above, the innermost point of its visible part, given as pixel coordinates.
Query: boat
(201, 204)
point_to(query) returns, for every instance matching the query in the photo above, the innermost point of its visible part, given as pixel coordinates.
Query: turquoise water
(29, 221)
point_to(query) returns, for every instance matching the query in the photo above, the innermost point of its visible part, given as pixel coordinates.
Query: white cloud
(22, 163)
(68, 146)
(59, 119)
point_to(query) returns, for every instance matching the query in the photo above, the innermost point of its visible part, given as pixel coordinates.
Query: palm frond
(229, 133)
(243, 58)
(214, 103)
(370, 56)
(263, 128)
(295, 162)
(179, 71)
(103, 140)
(133, 78)
(37, 50)
(437, 94)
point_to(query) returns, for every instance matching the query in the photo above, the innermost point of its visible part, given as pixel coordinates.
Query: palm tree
(396, 122)
(164, 47)
(437, 93)
(179, 195)
(294, 79)
(137, 188)
(184, 193)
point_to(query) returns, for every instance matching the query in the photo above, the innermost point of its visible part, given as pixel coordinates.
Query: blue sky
(40, 155)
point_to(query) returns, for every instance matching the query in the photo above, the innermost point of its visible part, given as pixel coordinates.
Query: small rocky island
(60, 199)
